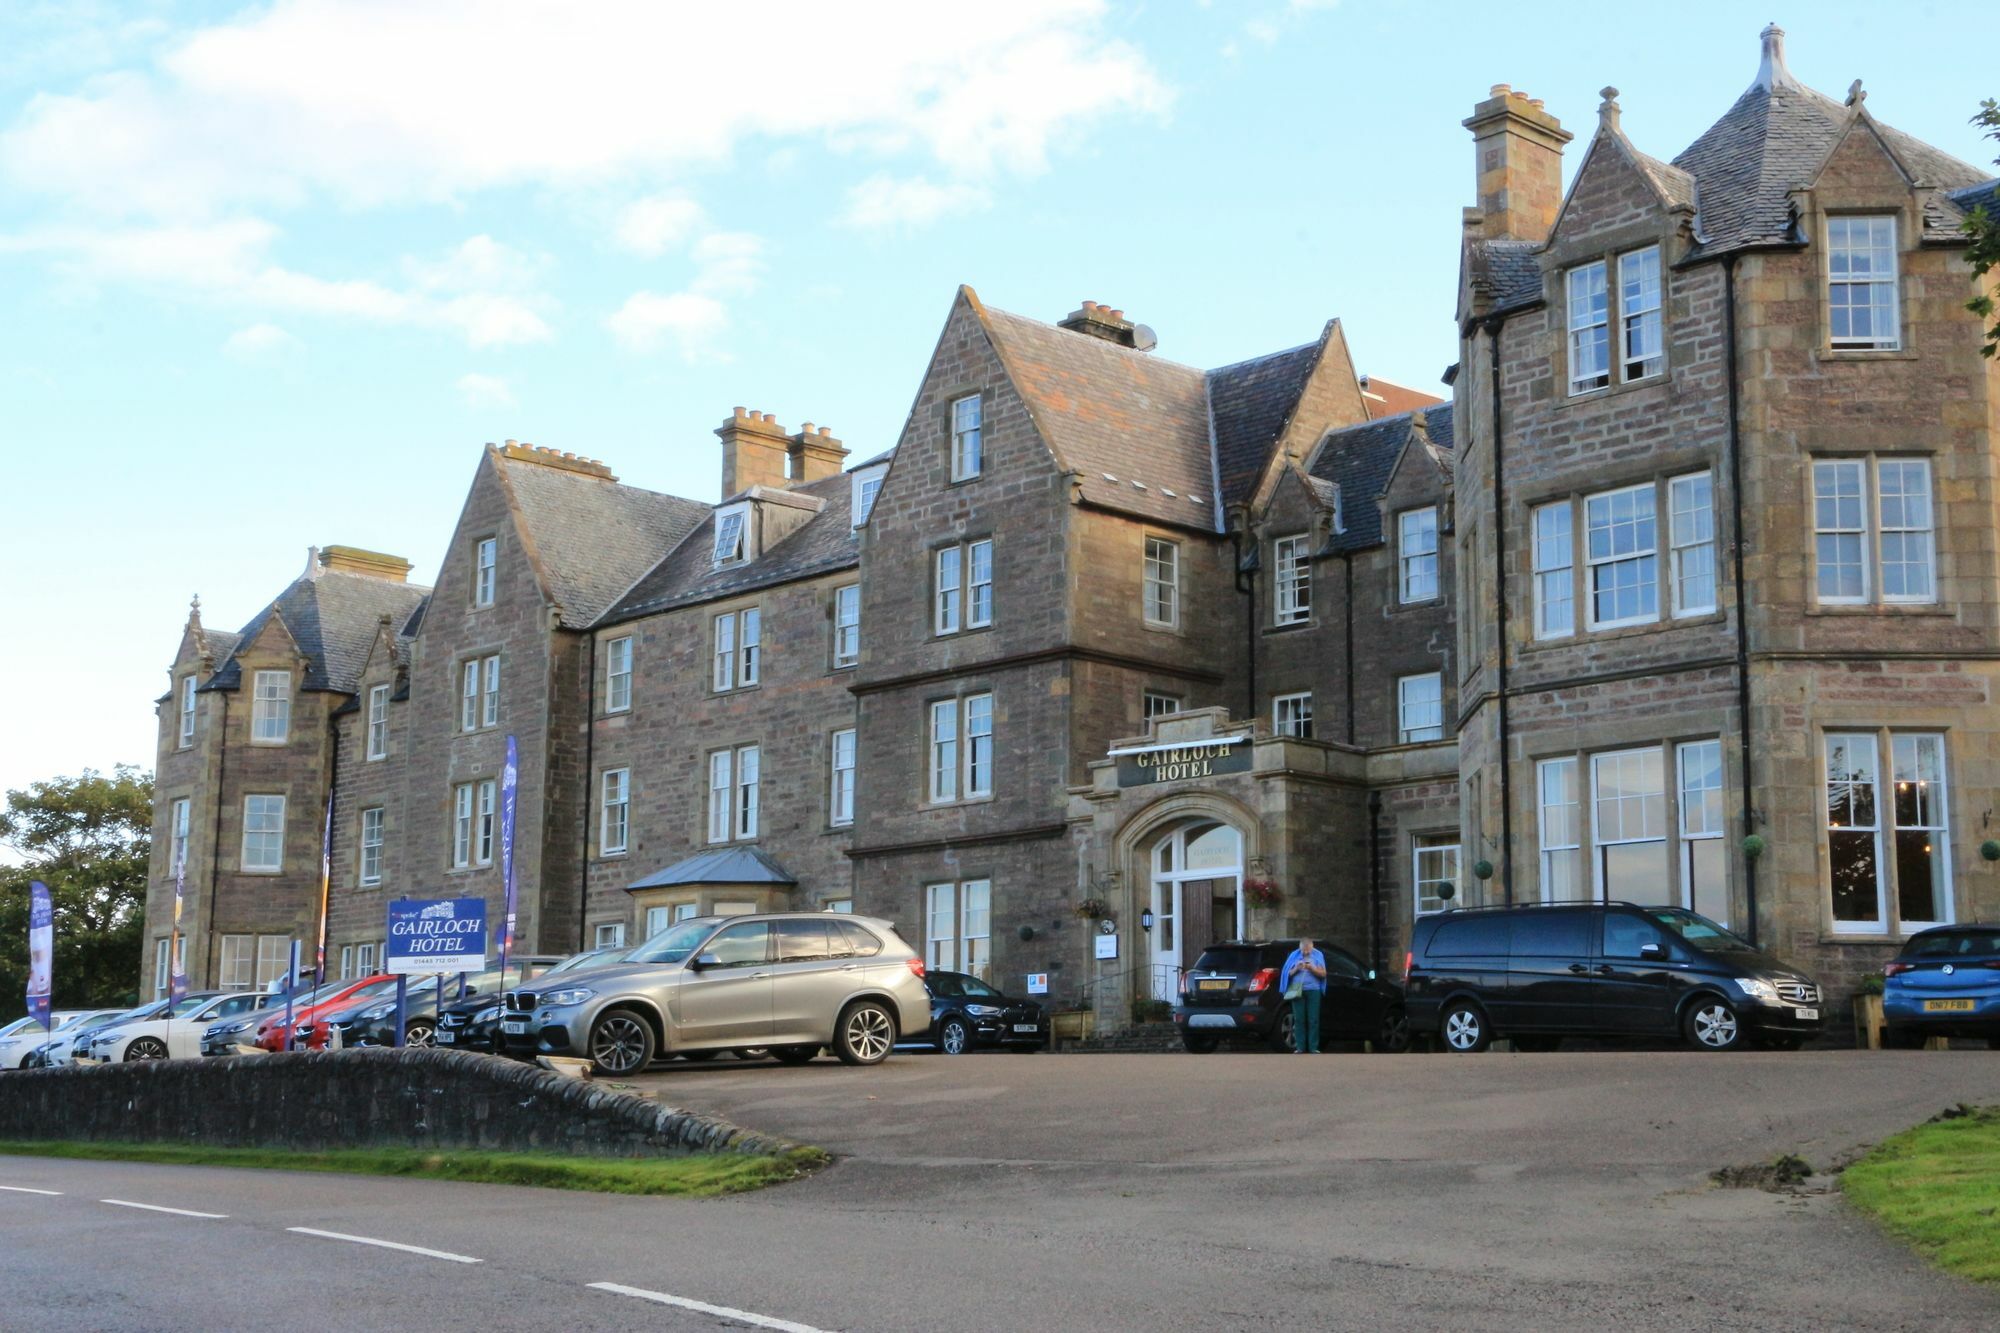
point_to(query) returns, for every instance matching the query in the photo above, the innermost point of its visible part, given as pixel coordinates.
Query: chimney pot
(826, 430)
(1517, 149)
(512, 443)
(1499, 90)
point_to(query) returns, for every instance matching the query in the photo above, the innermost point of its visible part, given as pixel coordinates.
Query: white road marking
(23, 1189)
(387, 1245)
(156, 1208)
(703, 1307)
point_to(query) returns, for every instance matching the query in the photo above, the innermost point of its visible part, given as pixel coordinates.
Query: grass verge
(701, 1176)
(1937, 1187)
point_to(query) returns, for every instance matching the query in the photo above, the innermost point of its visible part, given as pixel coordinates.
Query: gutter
(1246, 583)
(1494, 324)
(1742, 607)
(589, 786)
(1375, 881)
(214, 968)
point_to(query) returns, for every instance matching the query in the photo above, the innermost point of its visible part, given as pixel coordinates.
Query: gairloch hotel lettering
(1183, 763)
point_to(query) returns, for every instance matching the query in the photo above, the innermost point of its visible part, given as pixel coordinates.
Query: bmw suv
(793, 982)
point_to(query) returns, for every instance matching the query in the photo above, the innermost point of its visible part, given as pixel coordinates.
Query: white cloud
(729, 263)
(372, 102)
(690, 320)
(259, 344)
(657, 224)
(484, 391)
(884, 201)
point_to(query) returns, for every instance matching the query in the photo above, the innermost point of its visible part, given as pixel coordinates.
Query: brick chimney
(368, 564)
(814, 454)
(1101, 321)
(1518, 148)
(755, 452)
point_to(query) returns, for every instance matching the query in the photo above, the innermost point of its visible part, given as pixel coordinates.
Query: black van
(1537, 974)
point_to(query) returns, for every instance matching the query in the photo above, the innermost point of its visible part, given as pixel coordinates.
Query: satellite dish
(1143, 337)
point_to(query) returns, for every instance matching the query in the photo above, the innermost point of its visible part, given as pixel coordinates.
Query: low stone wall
(356, 1099)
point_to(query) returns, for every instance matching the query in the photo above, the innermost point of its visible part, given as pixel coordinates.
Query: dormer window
(1861, 283)
(1639, 311)
(729, 534)
(867, 484)
(1641, 336)
(1589, 329)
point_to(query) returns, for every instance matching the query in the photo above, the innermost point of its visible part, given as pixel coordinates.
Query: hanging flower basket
(1091, 909)
(1263, 892)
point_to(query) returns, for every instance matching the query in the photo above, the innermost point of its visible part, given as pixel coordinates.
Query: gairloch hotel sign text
(1183, 761)
(436, 935)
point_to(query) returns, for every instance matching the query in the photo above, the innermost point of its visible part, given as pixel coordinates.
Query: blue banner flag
(41, 951)
(509, 779)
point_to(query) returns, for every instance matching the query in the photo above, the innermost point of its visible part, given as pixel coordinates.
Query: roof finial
(1855, 97)
(1771, 71)
(1607, 110)
(194, 610)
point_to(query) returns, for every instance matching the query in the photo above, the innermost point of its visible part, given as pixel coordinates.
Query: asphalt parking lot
(1495, 1191)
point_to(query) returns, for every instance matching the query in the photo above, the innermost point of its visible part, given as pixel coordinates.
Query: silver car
(795, 982)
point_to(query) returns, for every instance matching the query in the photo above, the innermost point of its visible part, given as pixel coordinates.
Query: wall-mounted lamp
(1146, 919)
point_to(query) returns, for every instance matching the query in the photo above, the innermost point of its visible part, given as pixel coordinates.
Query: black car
(473, 1023)
(1536, 974)
(967, 1012)
(1232, 992)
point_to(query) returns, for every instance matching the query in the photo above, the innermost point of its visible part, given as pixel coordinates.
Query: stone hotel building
(1689, 593)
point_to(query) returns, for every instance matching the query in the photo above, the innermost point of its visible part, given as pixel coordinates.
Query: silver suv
(794, 982)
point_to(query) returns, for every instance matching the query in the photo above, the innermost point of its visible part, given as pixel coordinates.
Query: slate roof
(1360, 460)
(1251, 401)
(1985, 195)
(729, 865)
(592, 537)
(1507, 272)
(333, 617)
(1132, 426)
(688, 575)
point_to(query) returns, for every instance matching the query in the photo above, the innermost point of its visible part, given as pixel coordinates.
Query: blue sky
(271, 276)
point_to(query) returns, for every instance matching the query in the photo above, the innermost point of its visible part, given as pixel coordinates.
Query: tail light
(1264, 980)
(1409, 962)
(1897, 969)
(916, 966)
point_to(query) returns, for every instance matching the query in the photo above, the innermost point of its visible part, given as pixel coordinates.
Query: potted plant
(1263, 891)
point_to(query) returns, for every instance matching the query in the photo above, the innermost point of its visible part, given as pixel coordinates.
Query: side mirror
(705, 960)
(1653, 952)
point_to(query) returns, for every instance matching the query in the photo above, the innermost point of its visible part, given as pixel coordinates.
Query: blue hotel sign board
(436, 935)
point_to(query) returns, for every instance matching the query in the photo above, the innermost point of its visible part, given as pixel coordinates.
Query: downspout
(589, 786)
(1493, 326)
(1246, 583)
(326, 852)
(1375, 881)
(214, 969)
(1742, 606)
(1347, 576)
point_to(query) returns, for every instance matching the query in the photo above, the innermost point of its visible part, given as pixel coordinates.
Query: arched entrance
(1197, 896)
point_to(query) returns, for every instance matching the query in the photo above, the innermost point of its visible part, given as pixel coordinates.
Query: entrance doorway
(1197, 897)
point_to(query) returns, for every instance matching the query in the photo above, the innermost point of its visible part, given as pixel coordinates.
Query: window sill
(736, 689)
(1826, 354)
(1292, 627)
(1163, 626)
(1920, 610)
(369, 884)
(956, 802)
(272, 870)
(1580, 397)
(1419, 604)
(961, 633)
(270, 745)
(847, 666)
(1589, 636)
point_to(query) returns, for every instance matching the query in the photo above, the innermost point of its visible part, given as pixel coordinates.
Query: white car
(176, 1036)
(76, 1038)
(17, 1039)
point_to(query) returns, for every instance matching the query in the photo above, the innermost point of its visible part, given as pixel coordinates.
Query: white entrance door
(1197, 892)
(1166, 939)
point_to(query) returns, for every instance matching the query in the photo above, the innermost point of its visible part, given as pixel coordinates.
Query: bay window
(1884, 551)
(1905, 885)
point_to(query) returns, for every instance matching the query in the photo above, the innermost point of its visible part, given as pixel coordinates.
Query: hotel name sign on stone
(1178, 763)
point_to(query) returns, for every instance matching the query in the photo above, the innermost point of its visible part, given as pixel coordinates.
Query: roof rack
(1559, 902)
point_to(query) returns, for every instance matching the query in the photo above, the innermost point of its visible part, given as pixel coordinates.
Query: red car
(271, 1032)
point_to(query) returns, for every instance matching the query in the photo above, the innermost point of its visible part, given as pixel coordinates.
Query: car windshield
(1698, 930)
(975, 989)
(675, 944)
(1954, 944)
(589, 958)
(16, 1026)
(188, 1004)
(1238, 958)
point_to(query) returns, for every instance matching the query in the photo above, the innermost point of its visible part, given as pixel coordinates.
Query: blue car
(1945, 983)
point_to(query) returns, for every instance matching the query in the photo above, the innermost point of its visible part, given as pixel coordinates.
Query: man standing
(1303, 980)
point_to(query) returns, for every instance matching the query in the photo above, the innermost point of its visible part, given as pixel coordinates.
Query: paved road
(1100, 1192)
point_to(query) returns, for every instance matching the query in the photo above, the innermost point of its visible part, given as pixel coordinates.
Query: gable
(1860, 169)
(1612, 193)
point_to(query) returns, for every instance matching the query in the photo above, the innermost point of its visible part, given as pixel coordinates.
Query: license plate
(446, 1038)
(1214, 983)
(1948, 1006)
(1027, 1027)
(517, 1029)
(1807, 1014)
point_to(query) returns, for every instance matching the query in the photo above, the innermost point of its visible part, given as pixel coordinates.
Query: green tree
(89, 839)
(1984, 227)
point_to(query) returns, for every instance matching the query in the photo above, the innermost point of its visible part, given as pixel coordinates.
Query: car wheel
(1535, 1045)
(865, 1033)
(1903, 1039)
(146, 1048)
(794, 1055)
(699, 1056)
(1712, 1025)
(1394, 1038)
(621, 1043)
(1465, 1030)
(420, 1035)
(1281, 1031)
(1198, 1043)
(954, 1036)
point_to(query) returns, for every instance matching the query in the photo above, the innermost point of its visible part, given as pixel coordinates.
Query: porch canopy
(726, 881)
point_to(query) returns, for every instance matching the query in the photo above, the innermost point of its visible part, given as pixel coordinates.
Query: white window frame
(1924, 532)
(614, 819)
(274, 958)
(866, 485)
(1939, 828)
(1879, 923)
(461, 826)
(947, 589)
(1691, 534)
(368, 866)
(1599, 839)
(187, 701)
(1700, 782)
(1157, 703)
(968, 438)
(486, 830)
(1291, 581)
(468, 695)
(979, 583)
(1830, 523)
(732, 534)
(1641, 333)
(737, 649)
(1613, 558)
(378, 722)
(485, 570)
(1867, 526)
(347, 962)
(749, 790)
(1587, 292)
(271, 708)
(1292, 715)
(846, 626)
(722, 652)
(961, 748)
(489, 699)
(1420, 719)
(1160, 579)
(1554, 544)
(721, 782)
(365, 956)
(958, 927)
(1418, 575)
(840, 781)
(609, 934)
(1433, 861)
(1559, 827)
(179, 822)
(978, 746)
(260, 865)
(1888, 823)
(618, 675)
(236, 962)
(1840, 253)
(735, 791)
(844, 906)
